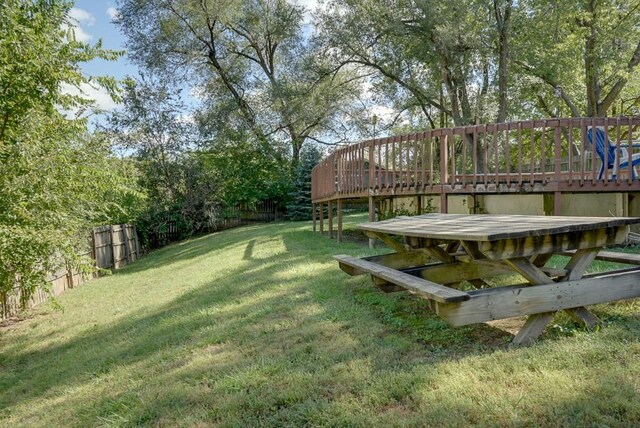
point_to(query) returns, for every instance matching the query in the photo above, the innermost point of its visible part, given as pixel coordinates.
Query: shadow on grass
(286, 338)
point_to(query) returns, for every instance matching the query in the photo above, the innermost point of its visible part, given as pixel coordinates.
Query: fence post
(113, 247)
(136, 241)
(127, 249)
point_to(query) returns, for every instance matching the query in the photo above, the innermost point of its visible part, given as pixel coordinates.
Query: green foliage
(299, 205)
(154, 131)
(56, 180)
(402, 209)
(248, 175)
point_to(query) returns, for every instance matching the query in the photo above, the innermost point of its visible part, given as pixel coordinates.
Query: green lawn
(257, 326)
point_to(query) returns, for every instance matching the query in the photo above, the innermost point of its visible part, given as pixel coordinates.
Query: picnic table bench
(475, 248)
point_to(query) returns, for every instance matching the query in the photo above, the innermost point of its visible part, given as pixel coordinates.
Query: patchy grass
(258, 327)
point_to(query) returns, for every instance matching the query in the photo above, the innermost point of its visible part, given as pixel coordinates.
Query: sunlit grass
(257, 326)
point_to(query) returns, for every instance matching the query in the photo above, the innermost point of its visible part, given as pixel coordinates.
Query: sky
(94, 21)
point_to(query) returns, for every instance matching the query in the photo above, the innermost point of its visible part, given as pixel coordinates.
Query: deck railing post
(444, 177)
(372, 218)
(372, 183)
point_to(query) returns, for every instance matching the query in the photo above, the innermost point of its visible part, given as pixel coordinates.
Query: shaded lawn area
(257, 326)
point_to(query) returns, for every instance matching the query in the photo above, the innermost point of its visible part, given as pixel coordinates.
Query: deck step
(428, 289)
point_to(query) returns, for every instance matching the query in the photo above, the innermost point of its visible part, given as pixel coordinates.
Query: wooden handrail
(551, 153)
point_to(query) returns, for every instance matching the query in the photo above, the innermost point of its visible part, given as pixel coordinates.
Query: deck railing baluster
(618, 151)
(475, 156)
(452, 154)
(570, 149)
(630, 149)
(557, 151)
(592, 144)
(507, 151)
(496, 151)
(431, 152)
(464, 157)
(606, 151)
(416, 157)
(543, 149)
(519, 153)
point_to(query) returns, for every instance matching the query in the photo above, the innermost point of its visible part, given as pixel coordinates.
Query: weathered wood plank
(533, 245)
(472, 249)
(529, 271)
(402, 260)
(580, 262)
(577, 266)
(440, 254)
(513, 301)
(611, 256)
(488, 227)
(388, 240)
(583, 316)
(413, 284)
(456, 272)
(532, 329)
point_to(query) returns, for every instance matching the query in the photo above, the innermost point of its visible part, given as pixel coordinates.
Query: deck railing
(547, 155)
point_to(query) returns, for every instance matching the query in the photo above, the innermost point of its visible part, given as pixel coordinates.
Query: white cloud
(102, 99)
(81, 16)
(78, 18)
(113, 13)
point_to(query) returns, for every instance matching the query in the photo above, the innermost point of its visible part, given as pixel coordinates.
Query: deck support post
(372, 218)
(330, 213)
(339, 220)
(557, 202)
(321, 213)
(313, 215)
(444, 209)
(418, 205)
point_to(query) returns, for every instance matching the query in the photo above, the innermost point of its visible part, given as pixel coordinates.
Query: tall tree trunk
(503, 18)
(591, 71)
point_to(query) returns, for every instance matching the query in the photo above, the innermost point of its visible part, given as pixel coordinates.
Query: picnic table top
(491, 227)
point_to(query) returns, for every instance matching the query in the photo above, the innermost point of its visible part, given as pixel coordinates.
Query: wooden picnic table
(475, 248)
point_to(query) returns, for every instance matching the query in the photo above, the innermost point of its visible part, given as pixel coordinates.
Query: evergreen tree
(299, 206)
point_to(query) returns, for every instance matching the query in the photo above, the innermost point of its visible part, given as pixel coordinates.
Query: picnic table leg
(532, 328)
(536, 323)
(576, 267)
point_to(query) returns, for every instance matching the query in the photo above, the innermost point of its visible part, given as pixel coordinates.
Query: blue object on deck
(610, 150)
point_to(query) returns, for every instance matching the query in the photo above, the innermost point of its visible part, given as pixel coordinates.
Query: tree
(584, 54)
(299, 206)
(432, 54)
(248, 59)
(56, 179)
(157, 130)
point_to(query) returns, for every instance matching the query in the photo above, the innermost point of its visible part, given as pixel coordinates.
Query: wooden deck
(552, 156)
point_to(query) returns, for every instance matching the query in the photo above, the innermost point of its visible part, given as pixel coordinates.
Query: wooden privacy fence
(264, 211)
(115, 246)
(551, 155)
(112, 247)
